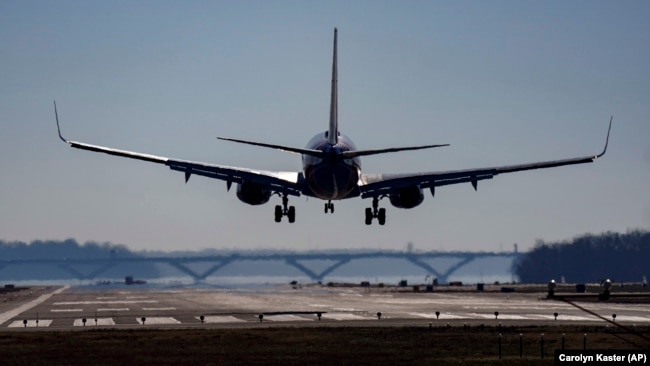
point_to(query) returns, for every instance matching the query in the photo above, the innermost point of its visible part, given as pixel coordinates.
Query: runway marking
(286, 318)
(136, 297)
(17, 311)
(92, 323)
(222, 319)
(30, 323)
(107, 302)
(106, 297)
(158, 321)
(443, 316)
(66, 310)
(346, 309)
(513, 317)
(531, 317)
(159, 309)
(625, 318)
(113, 309)
(345, 316)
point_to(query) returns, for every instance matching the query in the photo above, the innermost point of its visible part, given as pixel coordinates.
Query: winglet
(333, 134)
(56, 114)
(606, 139)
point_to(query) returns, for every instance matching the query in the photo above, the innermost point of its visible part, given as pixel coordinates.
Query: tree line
(588, 258)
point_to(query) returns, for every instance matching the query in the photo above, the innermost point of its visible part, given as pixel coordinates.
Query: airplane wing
(282, 182)
(377, 185)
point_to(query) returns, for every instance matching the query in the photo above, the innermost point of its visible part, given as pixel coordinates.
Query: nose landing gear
(329, 207)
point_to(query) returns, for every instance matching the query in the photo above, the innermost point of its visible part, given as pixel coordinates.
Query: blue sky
(503, 82)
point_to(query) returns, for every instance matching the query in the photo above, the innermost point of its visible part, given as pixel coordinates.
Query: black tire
(278, 213)
(292, 214)
(368, 216)
(381, 217)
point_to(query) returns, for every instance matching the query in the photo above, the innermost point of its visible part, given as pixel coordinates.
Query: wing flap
(283, 182)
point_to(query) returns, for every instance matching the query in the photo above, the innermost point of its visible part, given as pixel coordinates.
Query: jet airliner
(331, 170)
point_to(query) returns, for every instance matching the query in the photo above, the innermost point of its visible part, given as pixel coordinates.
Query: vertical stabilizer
(333, 134)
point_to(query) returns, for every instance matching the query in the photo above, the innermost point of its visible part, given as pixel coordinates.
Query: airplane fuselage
(333, 177)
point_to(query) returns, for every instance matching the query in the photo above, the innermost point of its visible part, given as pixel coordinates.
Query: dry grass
(300, 346)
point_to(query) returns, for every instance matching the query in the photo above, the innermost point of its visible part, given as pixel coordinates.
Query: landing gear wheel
(368, 216)
(285, 210)
(375, 212)
(381, 217)
(278, 213)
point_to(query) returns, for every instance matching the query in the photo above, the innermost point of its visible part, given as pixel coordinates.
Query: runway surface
(133, 306)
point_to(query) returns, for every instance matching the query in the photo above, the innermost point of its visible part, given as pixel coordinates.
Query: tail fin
(333, 134)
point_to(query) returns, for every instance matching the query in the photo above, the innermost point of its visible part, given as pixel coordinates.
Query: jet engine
(253, 193)
(407, 197)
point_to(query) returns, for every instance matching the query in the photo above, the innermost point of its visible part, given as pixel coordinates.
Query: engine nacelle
(408, 197)
(253, 193)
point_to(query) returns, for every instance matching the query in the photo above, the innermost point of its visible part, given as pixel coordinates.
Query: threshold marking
(90, 322)
(344, 316)
(286, 318)
(221, 319)
(43, 323)
(443, 316)
(158, 321)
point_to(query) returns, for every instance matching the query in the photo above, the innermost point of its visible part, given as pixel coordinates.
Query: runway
(133, 306)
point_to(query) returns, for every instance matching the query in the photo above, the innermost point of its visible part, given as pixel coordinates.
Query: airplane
(331, 170)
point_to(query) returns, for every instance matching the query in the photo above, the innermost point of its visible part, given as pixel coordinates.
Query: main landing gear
(329, 207)
(289, 212)
(375, 212)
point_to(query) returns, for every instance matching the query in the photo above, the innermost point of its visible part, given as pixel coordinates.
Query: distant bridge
(295, 260)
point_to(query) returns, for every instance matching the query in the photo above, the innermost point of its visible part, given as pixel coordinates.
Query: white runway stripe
(159, 309)
(158, 320)
(443, 316)
(113, 309)
(30, 323)
(90, 322)
(66, 310)
(286, 318)
(345, 316)
(221, 319)
(106, 302)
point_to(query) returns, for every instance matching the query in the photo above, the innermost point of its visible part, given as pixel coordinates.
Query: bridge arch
(318, 267)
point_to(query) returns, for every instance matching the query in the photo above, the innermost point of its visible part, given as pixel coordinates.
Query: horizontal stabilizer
(296, 150)
(355, 153)
(345, 154)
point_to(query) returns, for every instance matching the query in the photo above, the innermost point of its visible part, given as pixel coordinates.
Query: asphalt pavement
(283, 305)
